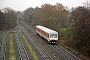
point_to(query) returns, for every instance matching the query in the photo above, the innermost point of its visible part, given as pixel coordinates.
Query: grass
(12, 55)
(30, 48)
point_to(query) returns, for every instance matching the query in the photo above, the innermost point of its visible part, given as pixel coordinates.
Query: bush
(67, 32)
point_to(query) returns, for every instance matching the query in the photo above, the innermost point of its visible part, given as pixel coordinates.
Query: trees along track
(42, 52)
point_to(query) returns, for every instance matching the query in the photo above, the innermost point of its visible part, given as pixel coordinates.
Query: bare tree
(8, 18)
(81, 15)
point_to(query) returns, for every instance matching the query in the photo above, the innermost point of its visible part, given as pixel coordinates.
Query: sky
(24, 4)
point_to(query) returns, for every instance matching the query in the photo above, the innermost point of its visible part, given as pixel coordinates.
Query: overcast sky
(24, 4)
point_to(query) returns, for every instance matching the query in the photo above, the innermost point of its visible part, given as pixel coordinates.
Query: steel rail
(21, 49)
(3, 46)
(41, 51)
(66, 54)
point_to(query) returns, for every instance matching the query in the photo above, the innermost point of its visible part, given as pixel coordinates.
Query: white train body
(50, 35)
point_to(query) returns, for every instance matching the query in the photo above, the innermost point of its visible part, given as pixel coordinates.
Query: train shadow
(52, 43)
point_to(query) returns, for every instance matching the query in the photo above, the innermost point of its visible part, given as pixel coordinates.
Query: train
(50, 35)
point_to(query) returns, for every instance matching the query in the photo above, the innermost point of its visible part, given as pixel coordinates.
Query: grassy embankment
(12, 55)
(30, 48)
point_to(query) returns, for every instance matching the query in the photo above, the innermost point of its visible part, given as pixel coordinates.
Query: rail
(21, 49)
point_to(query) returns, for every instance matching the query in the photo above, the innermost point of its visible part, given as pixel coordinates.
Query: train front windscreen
(53, 35)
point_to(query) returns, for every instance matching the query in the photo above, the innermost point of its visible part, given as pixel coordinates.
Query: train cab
(50, 35)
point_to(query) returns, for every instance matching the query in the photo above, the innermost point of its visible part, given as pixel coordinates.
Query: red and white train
(50, 35)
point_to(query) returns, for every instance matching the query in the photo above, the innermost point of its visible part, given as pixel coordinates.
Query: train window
(53, 35)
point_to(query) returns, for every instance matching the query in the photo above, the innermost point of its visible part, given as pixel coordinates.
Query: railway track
(23, 52)
(21, 48)
(41, 51)
(66, 55)
(3, 47)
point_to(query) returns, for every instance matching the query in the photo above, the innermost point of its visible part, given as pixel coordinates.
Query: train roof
(50, 31)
